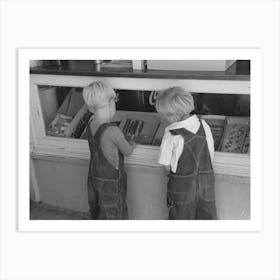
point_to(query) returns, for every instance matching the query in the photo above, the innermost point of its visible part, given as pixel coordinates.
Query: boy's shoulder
(113, 130)
(113, 134)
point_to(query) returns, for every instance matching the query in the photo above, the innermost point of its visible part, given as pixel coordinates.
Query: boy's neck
(102, 115)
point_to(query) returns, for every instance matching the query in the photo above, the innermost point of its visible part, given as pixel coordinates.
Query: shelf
(150, 74)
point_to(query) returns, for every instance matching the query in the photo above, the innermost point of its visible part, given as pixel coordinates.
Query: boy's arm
(165, 152)
(119, 140)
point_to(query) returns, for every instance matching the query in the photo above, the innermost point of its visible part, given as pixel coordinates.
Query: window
(65, 115)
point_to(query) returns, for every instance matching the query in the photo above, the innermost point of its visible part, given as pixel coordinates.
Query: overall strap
(121, 161)
(100, 131)
(186, 134)
(88, 130)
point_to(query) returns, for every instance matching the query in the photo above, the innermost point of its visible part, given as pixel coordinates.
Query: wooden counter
(236, 72)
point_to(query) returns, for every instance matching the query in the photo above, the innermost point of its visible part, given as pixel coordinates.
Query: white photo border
(255, 222)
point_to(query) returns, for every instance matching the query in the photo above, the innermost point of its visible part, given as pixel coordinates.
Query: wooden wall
(62, 182)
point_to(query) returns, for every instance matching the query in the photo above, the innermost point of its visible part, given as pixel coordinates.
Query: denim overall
(191, 191)
(106, 185)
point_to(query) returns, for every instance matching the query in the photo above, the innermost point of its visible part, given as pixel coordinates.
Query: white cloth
(172, 146)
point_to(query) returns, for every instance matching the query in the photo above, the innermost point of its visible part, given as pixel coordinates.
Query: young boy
(187, 151)
(106, 178)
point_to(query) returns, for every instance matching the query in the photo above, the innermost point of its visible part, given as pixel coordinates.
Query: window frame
(42, 145)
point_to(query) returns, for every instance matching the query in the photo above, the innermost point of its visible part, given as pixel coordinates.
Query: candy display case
(58, 111)
(58, 119)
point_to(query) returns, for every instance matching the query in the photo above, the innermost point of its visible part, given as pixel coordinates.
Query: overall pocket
(181, 190)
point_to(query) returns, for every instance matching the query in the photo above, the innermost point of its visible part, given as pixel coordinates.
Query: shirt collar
(188, 124)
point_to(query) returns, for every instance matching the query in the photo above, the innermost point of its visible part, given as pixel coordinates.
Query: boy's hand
(133, 144)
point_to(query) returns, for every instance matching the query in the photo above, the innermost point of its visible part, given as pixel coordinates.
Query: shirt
(172, 146)
(112, 141)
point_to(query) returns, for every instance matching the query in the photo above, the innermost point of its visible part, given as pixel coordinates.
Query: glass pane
(222, 104)
(64, 111)
(136, 100)
(228, 115)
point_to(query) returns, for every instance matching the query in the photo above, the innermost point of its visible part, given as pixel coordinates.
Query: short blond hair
(175, 101)
(98, 94)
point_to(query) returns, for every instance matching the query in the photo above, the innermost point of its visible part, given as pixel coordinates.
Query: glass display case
(59, 116)
(65, 115)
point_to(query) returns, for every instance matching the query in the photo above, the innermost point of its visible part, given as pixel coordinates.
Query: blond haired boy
(107, 180)
(187, 152)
